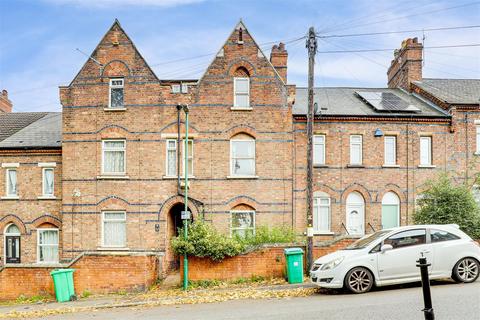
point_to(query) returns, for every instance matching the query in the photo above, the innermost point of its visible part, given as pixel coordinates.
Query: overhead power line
(394, 32)
(391, 49)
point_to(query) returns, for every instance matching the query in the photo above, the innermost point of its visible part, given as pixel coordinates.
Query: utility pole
(312, 50)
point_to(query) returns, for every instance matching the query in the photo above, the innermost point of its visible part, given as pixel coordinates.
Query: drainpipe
(179, 108)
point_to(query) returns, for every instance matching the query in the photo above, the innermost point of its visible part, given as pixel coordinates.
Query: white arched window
(321, 212)
(242, 156)
(355, 215)
(390, 210)
(12, 244)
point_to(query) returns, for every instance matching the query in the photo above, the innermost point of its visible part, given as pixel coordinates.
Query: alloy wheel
(467, 270)
(359, 280)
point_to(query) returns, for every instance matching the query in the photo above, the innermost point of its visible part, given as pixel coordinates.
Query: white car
(390, 256)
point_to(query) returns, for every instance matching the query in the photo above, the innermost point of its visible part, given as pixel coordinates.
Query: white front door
(355, 219)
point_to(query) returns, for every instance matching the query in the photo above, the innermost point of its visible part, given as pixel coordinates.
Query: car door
(445, 245)
(400, 263)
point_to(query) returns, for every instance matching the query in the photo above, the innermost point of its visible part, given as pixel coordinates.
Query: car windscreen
(367, 240)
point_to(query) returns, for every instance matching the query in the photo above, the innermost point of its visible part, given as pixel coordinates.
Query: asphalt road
(451, 302)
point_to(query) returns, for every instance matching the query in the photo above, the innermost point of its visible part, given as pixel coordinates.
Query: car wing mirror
(386, 247)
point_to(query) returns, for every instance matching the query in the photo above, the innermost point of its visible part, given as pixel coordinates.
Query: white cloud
(123, 3)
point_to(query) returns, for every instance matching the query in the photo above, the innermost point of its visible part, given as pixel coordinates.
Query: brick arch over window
(47, 219)
(116, 68)
(170, 202)
(392, 188)
(8, 219)
(242, 129)
(113, 203)
(358, 188)
(241, 65)
(243, 201)
(241, 72)
(332, 194)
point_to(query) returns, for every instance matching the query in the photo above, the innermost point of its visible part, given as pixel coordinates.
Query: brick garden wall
(266, 262)
(93, 273)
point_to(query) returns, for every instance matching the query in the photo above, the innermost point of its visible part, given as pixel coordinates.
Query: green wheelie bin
(63, 283)
(294, 259)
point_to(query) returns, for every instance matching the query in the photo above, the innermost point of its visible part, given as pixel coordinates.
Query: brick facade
(275, 191)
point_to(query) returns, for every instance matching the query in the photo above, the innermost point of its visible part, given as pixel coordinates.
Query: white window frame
(352, 143)
(394, 163)
(115, 220)
(315, 207)
(478, 139)
(232, 141)
(7, 185)
(184, 88)
(182, 174)
(43, 245)
(115, 149)
(235, 104)
(315, 160)
(116, 86)
(166, 157)
(232, 212)
(429, 150)
(43, 182)
(176, 88)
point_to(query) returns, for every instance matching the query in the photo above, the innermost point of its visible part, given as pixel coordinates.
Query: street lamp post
(187, 216)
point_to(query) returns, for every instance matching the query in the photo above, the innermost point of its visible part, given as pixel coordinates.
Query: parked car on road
(389, 257)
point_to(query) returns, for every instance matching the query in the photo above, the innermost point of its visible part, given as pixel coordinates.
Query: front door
(355, 219)
(12, 249)
(389, 216)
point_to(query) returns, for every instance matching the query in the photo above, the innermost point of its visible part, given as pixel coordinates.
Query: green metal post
(185, 221)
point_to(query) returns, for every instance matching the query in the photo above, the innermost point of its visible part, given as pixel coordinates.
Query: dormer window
(116, 94)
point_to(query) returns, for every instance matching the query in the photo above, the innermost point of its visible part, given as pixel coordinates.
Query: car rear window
(441, 235)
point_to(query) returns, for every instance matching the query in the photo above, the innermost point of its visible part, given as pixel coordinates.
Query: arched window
(355, 214)
(390, 210)
(12, 244)
(242, 155)
(241, 88)
(321, 212)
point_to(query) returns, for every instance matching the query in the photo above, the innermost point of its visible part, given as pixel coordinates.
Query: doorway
(355, 214)
(174, 223)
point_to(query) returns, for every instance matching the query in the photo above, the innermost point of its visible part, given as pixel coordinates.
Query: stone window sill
(242, 177)
(241, 108)
(46, 198)
(355, 166)
(114, 109)
(391, 166)
(320, 166)
(10, 198)
(427, 166)
(175, 177)
(107, 177)
(323, 233)
(113, 249)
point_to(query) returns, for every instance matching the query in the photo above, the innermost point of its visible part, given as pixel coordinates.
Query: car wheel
(359, 280)
(466, 270)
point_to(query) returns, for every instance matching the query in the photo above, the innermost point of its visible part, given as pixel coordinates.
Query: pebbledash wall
(148, 195)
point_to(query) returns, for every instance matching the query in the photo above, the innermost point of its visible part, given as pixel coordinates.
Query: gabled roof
(338, 101)
(31, 130)
(452, 91)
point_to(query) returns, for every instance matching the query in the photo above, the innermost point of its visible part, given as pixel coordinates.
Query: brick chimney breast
(5, 103)
(279, 58)
(406, 65)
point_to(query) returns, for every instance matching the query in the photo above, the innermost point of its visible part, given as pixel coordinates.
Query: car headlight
(332, 264)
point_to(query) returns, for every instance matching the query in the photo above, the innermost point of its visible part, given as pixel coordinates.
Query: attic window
(175, 88)
(116, 93)
(240, 36)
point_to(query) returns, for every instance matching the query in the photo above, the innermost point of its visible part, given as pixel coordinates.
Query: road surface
(450, 301)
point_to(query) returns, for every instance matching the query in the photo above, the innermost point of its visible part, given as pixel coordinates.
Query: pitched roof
(31, 130)
(452, 91)
(345, 102)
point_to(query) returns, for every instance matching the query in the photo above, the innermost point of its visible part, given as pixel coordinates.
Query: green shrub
(444, 203)
(205, 241)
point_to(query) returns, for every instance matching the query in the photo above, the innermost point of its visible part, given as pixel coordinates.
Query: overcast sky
(38, 39)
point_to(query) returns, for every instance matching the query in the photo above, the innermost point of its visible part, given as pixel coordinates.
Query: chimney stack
(5, 103)
(278, 58)
(406, 65)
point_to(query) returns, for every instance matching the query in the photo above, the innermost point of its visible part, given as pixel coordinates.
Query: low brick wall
(266, 262)
(95, 273)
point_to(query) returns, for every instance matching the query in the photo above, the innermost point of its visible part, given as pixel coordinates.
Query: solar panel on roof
(386, 101)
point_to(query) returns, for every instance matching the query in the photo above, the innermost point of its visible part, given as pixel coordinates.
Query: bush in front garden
(444, 203)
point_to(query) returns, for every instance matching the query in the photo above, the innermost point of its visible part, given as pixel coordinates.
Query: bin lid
(57, 271)
(289, 251)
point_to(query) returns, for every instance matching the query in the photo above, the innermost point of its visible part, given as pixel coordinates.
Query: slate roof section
(31, 130)
(340, 101)
(452, 91)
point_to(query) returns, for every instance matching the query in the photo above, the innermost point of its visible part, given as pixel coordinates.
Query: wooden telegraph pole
(312, 50)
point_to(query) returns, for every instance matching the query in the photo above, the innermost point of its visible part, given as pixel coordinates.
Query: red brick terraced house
(99, 180)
